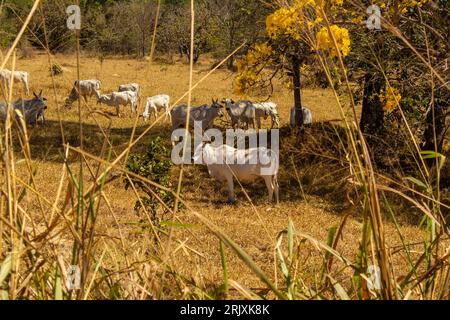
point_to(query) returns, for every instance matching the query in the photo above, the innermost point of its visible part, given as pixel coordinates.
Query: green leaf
(223, 260)
(58, 285)
(431, 155)
(290, 239)
(417, 182)
(5, 269)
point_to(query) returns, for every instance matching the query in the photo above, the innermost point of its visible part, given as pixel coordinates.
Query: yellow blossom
(325, 42)
(391, 99)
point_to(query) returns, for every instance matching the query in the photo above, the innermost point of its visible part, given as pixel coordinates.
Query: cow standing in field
(31, 110)
(88, 88)
(133, 87)
(248, 165)
(203, 114)
(307, 116)
(17, 77)
(130, 87)
(242, 112)
(265, 109)
(156, 104)
(117, 99)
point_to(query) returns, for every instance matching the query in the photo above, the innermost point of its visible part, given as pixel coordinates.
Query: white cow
(17, 77)
(242, 112)
(156, 104)
(203, 115)
(117, 99)
(247, 166)
(130, 87)
(307, 116)
(269, 108)
(88, 88)
(133, 87)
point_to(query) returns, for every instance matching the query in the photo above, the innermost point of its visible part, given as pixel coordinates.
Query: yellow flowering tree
(294, 32)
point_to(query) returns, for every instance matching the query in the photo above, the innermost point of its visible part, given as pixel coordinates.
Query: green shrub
(56, 69)
(154, 165)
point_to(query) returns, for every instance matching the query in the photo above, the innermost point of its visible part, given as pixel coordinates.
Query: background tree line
(125, 27)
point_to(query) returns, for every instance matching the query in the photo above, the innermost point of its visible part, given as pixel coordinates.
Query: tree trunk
(435, 125)
(297, 92)
(143, 43)
(372, 116)
(230, 63)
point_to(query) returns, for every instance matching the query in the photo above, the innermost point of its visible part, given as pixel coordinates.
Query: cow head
(39, 101)
(216, 105)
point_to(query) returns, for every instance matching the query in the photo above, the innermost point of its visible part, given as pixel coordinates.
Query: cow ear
(232, 101)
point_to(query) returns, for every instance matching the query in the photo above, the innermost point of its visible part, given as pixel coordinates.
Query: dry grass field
(124, 241)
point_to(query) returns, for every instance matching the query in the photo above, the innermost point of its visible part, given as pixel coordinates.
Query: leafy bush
(154, 165)
(56, 70)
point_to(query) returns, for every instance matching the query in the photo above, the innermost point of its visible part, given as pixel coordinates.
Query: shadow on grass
(46, 142)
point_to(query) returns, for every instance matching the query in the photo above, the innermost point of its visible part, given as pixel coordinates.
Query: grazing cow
(134, 87)
(307, 116)
(117, 99)
(31, 110)
(88, 88)
(17, 77)
(242, 112)
(267, 109)
(156, 104)
(203, 114)
(130, 87)
(250, 164)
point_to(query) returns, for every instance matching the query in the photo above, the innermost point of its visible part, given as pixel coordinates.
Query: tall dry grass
(34, 266)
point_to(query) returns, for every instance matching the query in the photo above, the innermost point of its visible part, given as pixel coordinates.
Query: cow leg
(270, 186)
(118, 110)
(27, 88)
(277, 188)
(230, 183)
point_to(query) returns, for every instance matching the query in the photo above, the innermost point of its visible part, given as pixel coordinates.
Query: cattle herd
(243, 114)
